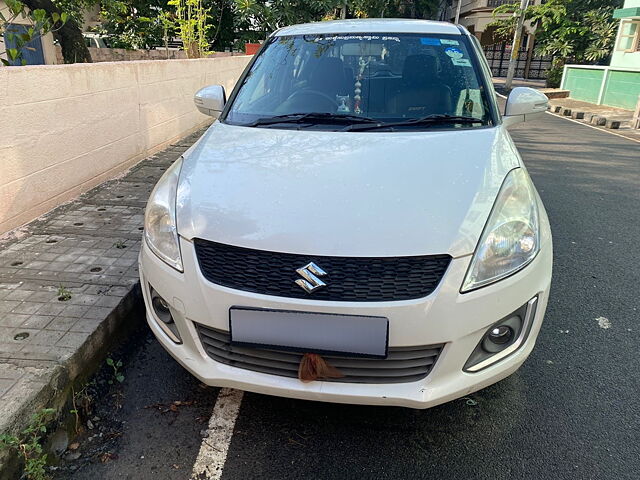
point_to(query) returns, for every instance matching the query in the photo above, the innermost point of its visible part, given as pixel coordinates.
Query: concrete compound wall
(120, 54)
(602, 85)
(66, 128)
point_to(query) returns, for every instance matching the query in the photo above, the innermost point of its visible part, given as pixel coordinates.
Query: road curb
(57, 392)
(90, 246)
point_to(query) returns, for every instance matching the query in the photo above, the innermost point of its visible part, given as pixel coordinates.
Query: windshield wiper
(428, 120)
(311, 117)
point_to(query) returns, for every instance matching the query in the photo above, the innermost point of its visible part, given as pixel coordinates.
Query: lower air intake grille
(403, 364)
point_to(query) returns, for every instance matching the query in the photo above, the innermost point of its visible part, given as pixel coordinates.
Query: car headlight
(160, 230)
(511, 237)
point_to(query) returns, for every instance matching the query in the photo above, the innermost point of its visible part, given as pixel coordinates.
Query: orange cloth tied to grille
(314, 367)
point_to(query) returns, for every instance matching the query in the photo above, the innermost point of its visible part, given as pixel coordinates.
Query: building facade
(618, 84)
(477, 15)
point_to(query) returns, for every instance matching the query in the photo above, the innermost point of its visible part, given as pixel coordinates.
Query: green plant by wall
(64, 294)
(117, 374)
(28, 444)
(554, 73)
(192, 24)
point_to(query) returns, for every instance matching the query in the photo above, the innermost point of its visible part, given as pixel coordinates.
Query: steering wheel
(333, 104)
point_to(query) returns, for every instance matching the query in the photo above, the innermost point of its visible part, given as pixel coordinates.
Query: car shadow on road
(284, 438)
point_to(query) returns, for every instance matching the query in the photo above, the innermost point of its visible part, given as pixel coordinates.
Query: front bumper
(457, 320)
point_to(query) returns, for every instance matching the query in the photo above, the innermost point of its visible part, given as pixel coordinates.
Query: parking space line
(215, 444)
(594, 127)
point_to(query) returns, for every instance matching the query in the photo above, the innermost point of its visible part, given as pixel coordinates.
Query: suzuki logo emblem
(310, 281)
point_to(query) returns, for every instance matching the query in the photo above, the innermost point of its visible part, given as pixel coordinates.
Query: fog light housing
(500, 335)
(161, 307)
(162, 312)
(502, 338)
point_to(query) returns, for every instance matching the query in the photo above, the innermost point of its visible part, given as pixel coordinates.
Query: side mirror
(524, 104)
(210, 100)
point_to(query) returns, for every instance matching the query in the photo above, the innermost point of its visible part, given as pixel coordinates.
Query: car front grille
(348, 279)
(402, 365)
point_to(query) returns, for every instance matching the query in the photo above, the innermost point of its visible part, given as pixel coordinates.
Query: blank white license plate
(309, 332)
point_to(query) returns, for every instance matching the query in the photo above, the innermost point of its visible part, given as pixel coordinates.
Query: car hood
(343, 193)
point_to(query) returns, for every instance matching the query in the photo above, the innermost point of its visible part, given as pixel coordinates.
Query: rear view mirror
(210, 100)
(524, 104)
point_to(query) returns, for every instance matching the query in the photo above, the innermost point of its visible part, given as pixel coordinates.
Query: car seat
(421, 92)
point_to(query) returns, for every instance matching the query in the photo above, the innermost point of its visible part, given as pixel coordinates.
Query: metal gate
(498, 58)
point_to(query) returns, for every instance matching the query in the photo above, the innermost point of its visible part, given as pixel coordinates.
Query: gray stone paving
(87, 248)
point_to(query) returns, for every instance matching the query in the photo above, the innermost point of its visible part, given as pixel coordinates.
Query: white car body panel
(445, 316)
(350, 194)
(371, 26)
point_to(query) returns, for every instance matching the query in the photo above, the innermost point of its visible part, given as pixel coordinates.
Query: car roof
(371, 25)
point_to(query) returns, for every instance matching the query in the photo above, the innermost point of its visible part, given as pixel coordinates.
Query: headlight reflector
(160, 230)
(511, 237)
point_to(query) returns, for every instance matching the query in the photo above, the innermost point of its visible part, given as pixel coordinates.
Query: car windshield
(388, 78)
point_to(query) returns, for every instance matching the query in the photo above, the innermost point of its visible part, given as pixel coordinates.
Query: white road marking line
(594, 127)
(585, 124)
(215, 445)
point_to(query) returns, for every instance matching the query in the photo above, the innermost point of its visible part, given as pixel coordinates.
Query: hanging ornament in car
(362, 64)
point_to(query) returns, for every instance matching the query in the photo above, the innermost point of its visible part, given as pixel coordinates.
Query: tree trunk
(74, 50)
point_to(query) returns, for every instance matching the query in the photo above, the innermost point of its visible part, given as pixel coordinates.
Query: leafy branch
(40, 23)
(191, 21)
(580, 30)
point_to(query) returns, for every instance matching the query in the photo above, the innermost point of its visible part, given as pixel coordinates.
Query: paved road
(571, 412)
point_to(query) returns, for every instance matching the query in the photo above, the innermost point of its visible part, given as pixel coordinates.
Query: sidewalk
(68, 282)
(538, 84)
(498, 82)
(617, 120)
(601, 116)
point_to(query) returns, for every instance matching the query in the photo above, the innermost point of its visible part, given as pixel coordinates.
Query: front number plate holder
(310, 332)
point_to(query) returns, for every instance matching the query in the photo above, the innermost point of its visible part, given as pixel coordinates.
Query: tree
(39, 24)
(581, 31)
(576, 30)
(264, 16)
(426, 9)
(134, 24)
(74, 50)
(75, 9)
(225, 31)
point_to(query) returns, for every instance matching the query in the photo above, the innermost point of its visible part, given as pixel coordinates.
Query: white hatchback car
(356, 227)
